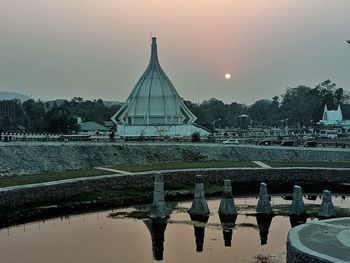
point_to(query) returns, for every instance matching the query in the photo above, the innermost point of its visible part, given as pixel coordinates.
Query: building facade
(334, 118)
(154, 108)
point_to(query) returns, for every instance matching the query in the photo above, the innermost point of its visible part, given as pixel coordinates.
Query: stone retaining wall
(296, 256)
(28, 158)
(47, 192)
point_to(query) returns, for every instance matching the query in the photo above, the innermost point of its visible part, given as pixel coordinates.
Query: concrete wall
(27, 158)
(46, 192)
(296, 256)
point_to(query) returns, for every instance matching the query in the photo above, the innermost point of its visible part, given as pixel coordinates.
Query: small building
(93, 128)
(334, 118)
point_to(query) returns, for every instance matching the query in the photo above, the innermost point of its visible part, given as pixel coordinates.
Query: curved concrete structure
(320, 241)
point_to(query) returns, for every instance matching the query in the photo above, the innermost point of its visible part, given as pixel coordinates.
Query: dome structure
(154, 108)
(154, 100)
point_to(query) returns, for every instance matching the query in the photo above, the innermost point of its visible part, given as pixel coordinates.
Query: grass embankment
(308, 164)
(71, 174)
(49, 176)
(134, 168)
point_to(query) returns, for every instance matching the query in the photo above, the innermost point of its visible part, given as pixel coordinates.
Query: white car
(231, 141)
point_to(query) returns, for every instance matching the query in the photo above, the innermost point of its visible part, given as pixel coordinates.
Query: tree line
(53, 117)
(297, 107)
(301, 106)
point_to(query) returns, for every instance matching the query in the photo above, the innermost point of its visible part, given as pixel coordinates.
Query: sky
(94, 49)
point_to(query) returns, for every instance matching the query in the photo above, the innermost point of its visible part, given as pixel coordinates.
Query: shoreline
(21, 204)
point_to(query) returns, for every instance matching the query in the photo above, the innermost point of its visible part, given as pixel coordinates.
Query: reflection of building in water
(157, 230)
(199, 230)
(264, 223)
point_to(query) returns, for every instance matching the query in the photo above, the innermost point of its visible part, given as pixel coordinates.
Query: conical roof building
(154, 108)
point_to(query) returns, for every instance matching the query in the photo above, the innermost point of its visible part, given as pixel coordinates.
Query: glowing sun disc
(227, 76)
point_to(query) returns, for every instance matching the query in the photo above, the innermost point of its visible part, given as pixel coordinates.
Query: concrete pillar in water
(227, 213)
(199, 212)
(158, 209)
(264, 206)
(326, 208)
(199, 205)
(298, 214)
(227, 205)
(298, 207)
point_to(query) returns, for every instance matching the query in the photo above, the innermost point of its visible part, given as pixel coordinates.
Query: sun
(227, 76)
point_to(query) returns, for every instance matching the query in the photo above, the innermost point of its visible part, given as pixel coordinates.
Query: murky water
(99, 237)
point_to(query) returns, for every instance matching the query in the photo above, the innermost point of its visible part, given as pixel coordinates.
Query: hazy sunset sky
(99, 48)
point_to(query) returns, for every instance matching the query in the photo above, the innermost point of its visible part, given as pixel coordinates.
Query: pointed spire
(324, 117)
(154, 54)
(154, 100)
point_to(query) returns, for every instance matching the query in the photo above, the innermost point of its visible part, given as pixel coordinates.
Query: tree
(196, 137)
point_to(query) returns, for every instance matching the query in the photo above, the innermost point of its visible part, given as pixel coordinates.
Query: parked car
(287, 143)
(231, 141)
(328, 134)
(177, 138)
(310, 144)
(264, 143)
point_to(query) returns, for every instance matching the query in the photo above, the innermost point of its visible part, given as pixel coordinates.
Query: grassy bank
(308, 164)
(49, 176)
(134, 168)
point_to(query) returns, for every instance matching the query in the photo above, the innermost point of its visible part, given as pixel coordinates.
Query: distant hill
(111, 103)
(58, 102)
(4, 95)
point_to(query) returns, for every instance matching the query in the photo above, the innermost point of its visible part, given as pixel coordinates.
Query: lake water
(113, 236)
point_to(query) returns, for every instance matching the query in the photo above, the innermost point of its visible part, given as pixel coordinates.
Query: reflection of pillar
(227, 236)
(157, 230)
(264, 222)
(326, 208)
(158, 209)
(199, 205)
(199, 229)
(298, 215)
(264, 206)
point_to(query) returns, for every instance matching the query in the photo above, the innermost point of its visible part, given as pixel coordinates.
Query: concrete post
(264, 206)
(227, 205)
(158, 209)
(298, 207)
(199, 204)
(326, 208)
